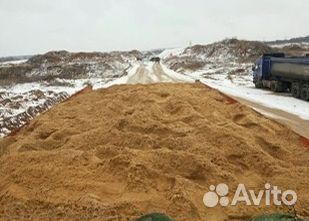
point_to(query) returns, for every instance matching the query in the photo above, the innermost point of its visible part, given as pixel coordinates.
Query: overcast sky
(37, 26)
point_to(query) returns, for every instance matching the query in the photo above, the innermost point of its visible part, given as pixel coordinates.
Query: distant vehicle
(282, 74)
(155, 59)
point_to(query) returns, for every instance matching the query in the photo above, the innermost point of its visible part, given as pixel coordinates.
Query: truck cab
(261, 68)
(257, 72)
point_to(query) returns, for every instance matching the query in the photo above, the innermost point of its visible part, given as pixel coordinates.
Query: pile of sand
(117, 153)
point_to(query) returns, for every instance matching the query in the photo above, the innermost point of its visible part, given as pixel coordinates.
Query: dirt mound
(117, 153)
(49, 57)
(225, 54)
(180, 64)
(295, 50)
(242, 51)
(56, 57)
(55, 65)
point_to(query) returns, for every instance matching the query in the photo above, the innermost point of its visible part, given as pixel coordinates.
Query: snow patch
(122, 80)
(282, 101)
(176, 75)
(171, 52)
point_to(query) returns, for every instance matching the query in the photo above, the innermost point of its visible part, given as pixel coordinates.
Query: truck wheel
(295, 90)
(258, 84)
(285, 87)
(304, 94)
(274, 86)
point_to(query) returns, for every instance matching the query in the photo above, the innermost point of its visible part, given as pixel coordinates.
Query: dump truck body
(281, 74)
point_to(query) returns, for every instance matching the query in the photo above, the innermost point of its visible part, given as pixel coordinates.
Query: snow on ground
(19, 103)
(13, 62)
(229, 77)
(16, 102)
(171, 52)
(218, 66)
(121, 80)
(18, 106)
(26, 87)
(71, 85)
(242, 87)
(149, 72)
(173, 74)
(281, 45)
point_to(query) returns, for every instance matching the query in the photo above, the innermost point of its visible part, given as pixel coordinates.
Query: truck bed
(293, 68)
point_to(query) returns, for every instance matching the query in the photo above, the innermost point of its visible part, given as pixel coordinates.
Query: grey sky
(37, 26)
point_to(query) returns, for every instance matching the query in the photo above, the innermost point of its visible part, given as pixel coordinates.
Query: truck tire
(274, 86)
(295, 90)
(304, 94)
(258, 84)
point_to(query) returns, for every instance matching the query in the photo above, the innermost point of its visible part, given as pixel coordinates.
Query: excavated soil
(117, 153)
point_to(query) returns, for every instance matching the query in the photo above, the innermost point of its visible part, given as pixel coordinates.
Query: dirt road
(152, 73)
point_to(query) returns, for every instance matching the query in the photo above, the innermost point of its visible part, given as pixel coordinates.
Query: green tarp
(273, 217)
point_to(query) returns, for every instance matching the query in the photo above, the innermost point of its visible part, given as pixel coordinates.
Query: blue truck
(283, 74)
